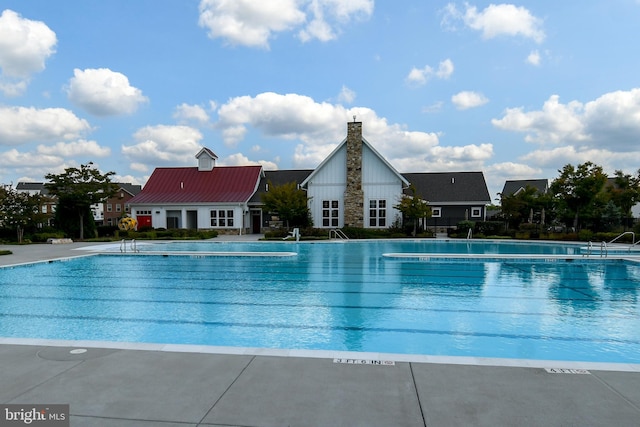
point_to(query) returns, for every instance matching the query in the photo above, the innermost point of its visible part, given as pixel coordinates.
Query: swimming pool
(338, 296)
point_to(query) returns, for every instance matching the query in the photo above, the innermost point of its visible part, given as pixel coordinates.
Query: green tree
(19, 210)
(288, 202)
(517, 208)
(625, 192)
(77, 189)
(413, 208)
(578, 190)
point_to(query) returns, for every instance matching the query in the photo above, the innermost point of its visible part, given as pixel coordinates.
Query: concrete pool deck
(145, 385)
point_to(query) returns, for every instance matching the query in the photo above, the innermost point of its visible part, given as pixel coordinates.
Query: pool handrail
(633, 237)
(338, 234)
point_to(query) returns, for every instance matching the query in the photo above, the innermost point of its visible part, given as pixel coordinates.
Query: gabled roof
(337, 149)
(130, 188)
(206, 151)
(280, 177)
(223, 184)
(515, 186)
(32, 186)
(450, 187)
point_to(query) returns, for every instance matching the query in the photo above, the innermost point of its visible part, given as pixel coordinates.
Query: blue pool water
(337, 296)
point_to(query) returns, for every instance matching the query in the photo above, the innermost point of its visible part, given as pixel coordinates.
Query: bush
(490, 227)
(585, 235)
(107, 230)
(43, 237)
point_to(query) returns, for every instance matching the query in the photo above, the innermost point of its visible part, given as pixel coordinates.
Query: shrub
(490, 227)
(43, 237)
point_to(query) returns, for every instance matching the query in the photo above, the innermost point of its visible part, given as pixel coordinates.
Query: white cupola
(206, 159)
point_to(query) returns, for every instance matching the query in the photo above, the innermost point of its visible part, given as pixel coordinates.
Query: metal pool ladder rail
(132, 246)
(337, 234)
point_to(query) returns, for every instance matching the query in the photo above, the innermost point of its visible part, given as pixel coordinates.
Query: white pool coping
(329, 354)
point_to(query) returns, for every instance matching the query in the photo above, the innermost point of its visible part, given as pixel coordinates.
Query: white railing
(133, 247)
(337, 234)
(470, 234)
(633, 237)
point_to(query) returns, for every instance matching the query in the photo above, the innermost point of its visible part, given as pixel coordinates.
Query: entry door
(256, 220)
(192, 219)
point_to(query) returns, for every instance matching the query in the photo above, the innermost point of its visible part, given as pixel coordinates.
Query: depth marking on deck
(365, 362)
(567, 371)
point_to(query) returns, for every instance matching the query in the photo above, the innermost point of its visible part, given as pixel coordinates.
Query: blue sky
(515, 90)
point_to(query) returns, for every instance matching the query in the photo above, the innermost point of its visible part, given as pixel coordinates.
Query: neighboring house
(515, 187)
(117, 206)
(203, 197)
(355, 186)
(452, 196)
(49, 202)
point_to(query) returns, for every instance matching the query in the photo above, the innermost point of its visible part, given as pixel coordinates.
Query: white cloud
(322, 126)
(420, 76)
(534, 58)
(27, 160)
(497, 20)
(328, 15)
(25, 45)
(253, 23)
(104, 92)
(74, 149)
(612, 120)
(555, 123)
(240, 159)
(191, 113)
(19, 125)
(163, 145)
(51, 158)
(468, 99)
(346, 95)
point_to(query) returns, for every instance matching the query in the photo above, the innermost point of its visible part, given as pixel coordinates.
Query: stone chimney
(353, 194)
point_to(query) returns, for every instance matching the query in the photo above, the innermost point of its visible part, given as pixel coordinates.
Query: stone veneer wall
(353, 194)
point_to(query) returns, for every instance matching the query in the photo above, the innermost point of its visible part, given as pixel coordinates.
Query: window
(436, 212)
(476, 212)
(222, 218)
(118, 207)
(330, 213)
(109, 207)
(377, 213)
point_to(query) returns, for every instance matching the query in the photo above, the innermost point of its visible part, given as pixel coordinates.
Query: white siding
(328, 183)
(159, 215)
(379, 183)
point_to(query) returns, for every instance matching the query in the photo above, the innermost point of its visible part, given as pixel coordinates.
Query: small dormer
(206, 160)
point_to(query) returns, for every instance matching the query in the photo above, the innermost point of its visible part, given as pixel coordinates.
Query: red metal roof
(223, 184)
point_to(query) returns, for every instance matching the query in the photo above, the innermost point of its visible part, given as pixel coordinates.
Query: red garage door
(143, 221)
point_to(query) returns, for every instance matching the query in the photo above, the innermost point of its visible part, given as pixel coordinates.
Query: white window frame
(222, 218)
(377, 213)
(436, 212)
(476, 212)
(330, 213)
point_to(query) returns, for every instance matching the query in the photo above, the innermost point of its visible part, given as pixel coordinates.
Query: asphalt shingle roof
(449, 187)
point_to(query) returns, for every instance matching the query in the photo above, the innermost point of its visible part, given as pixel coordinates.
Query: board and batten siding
(379, 183)
(329, 183)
